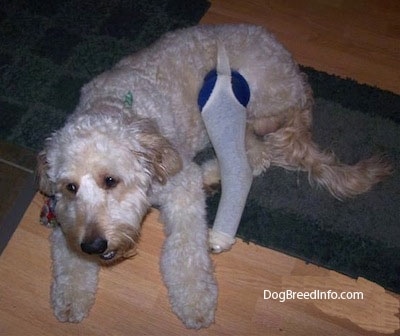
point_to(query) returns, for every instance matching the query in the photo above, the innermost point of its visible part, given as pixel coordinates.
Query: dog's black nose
(96, 246)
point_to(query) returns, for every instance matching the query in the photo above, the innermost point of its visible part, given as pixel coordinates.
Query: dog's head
(100, 168)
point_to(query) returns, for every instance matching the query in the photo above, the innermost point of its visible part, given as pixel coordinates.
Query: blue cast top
(240, 88)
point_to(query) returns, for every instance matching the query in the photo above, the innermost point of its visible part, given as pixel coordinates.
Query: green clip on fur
(128, 100)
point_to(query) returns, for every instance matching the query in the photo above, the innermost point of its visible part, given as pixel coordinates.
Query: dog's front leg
(74, 281)
(185, 263)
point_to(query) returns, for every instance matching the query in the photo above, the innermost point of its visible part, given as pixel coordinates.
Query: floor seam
(15, 165)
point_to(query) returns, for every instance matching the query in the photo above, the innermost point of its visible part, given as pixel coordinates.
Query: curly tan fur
(130, 144)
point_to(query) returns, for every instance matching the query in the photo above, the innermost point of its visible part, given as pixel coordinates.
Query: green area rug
(48, 50)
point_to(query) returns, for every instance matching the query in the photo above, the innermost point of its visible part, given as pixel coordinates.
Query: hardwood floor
(132, 299)
(357, 39)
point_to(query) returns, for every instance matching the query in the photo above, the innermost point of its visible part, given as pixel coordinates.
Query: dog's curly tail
(294, 149)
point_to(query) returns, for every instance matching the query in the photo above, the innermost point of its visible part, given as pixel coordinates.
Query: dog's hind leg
(259, 155)
(74, 281)
(185, 263)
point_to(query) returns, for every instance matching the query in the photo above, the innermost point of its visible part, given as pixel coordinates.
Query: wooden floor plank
(132, 298)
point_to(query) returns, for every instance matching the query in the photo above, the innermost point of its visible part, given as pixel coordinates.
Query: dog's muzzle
(98, 246)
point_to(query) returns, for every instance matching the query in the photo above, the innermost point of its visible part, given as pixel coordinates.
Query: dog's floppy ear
(45, 185)
(158, 152)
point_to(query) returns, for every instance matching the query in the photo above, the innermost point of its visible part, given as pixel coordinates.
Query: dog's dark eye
(72, 188)
(110, 182)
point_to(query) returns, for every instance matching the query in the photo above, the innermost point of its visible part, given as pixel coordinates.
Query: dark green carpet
(47, 51)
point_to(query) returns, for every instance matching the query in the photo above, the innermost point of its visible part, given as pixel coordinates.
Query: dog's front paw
(71, 305)
(195, 303)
